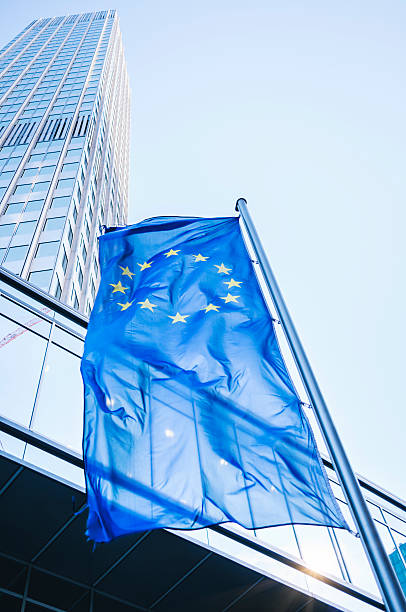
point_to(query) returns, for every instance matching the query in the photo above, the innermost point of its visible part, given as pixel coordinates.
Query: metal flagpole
(385, 576)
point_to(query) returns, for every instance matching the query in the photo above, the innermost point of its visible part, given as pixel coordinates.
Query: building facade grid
(64, 150)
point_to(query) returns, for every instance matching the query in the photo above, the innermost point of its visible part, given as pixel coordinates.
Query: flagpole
(385, 576)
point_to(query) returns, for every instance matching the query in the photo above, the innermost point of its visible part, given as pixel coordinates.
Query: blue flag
(191, 418)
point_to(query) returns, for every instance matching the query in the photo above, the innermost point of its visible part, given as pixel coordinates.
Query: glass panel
(70, 169)
(62, 202)
(42, 278)
(61, 420)
(66, 183)
(41, 187)
(6, 230)
(25, 228)
(47, 170)
(47, 249)
(52, 155)
(282, 537)
(54, 224)
(30, 172)
(317, 549)
(22, 188)
(354, 556)
(37, 157)
(67, 340)
(22, 353)
(17, 253)
(395, 522)
(34, 205)
(14, 208)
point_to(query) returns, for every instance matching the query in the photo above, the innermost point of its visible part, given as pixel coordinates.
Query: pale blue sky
(299, 107)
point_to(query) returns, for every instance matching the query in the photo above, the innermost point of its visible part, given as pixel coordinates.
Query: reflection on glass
(62, 202)
(281, 537)
(14, 208)
(396, 522)
(26, 228)
(54, 224)
(6, 230)
(354, 556)
(59, 413)
(34, 205)
(22, 354)
(317, 549)
(15, 258)
(47, 249)
(41, 278)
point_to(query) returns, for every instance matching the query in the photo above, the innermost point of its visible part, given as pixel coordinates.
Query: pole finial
(240, 200)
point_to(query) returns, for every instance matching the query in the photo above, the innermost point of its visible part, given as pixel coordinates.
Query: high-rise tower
(64, 150)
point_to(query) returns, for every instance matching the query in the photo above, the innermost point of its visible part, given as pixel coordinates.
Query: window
(56, 223)
(79, 273)
(30, 172)
(6, 230)
(42, 278)
(14, 208)
(34, 205)
(37, 157)
(22, 189)
(41, 186)
(70, 169)
(47, 249)
(52, 156)
(84, 251)
(74, 299)
(12, 163)
(47, 170)
(5, 177)
(58, 289)
(62, 202)
(66, 183)
(87, 229)
(16, 253)
(26, 228)
(64, 261)
(75, 213)
(73, 154)
(70, 235)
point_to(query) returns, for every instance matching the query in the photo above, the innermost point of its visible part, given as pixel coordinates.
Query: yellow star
(200, 258)
(178, 318)
(145, 265)
(211, 307)
(233, 283)
(147, 304)
(126, 272)
(124, 306)
(172, 252)
(222, 269)
(230, 298)
(118, 287)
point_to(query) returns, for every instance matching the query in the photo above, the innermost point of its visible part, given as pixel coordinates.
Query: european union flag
(191, 418)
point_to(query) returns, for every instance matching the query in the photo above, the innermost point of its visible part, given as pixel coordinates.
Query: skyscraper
(64, 150)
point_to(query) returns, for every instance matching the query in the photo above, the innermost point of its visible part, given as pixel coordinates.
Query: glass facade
(64, 150)
(44, 344)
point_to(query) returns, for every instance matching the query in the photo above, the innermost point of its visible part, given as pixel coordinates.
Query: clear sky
(300, 108)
